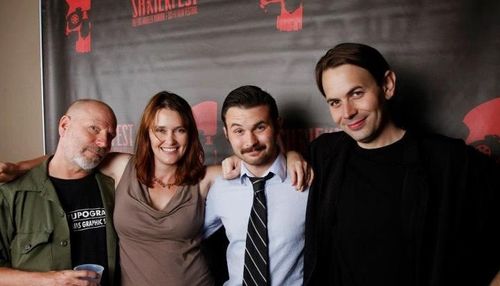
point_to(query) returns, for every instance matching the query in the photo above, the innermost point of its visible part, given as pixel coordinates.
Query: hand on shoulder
(11, 171)
(231, 167)
(7, 171)
(300, 172)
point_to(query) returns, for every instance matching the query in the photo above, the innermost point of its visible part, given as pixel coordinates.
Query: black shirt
(82, 202)
(370, 245)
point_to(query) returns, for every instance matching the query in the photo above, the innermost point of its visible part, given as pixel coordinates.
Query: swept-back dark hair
(356, 54)
(190, 168)
(249, 96)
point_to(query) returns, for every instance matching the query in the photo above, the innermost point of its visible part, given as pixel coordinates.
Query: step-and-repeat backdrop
(446, 54)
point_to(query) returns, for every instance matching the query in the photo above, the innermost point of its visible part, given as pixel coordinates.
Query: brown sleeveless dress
(159, 247)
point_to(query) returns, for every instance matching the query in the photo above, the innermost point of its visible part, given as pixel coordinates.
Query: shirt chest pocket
(28, 249)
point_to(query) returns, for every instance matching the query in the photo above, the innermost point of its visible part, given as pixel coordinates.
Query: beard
(86, 163)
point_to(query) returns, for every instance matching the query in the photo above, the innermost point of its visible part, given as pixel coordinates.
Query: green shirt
(34, 232)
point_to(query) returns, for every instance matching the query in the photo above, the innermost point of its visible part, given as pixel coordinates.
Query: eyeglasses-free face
(169, 137)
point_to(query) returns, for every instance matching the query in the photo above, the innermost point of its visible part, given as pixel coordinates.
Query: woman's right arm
(212, 172)
(114, 165)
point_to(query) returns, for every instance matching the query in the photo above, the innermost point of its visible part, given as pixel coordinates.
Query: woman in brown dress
(160, 197)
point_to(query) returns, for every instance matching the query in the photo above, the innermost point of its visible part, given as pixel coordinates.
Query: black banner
(445, 54)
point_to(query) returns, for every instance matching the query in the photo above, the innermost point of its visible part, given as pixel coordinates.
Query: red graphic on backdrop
(288, 20)
(78, 21)
(483, 122)
(205, 114)
(145, 12)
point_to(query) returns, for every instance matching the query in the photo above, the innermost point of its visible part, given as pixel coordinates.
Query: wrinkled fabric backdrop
(445, 54)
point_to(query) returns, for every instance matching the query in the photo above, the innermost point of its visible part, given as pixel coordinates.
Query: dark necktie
(256, 271)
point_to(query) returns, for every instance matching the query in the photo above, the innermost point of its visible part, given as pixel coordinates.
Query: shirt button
(27, 247)
(64, 243)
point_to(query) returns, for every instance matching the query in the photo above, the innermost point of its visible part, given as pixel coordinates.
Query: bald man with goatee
(59, 214)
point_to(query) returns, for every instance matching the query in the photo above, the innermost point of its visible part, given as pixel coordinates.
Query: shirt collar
(278, 168)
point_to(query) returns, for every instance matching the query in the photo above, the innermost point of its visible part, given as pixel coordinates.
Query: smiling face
(253, 136)
(357, 104)
(169, 137)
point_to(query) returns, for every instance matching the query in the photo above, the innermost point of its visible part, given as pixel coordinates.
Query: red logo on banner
(483, 122)
(146, 12)
(205, 114)
(77, 21)
(288, 20)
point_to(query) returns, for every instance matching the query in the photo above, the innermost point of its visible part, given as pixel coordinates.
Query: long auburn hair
(190, 168)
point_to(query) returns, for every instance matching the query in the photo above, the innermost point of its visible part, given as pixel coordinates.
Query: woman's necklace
(162, 184)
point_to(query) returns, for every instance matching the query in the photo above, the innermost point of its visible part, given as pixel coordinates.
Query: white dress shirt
(229, 203)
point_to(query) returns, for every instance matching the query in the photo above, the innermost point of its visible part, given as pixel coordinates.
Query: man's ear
(389, 85)
(64, 123)
(225, 132)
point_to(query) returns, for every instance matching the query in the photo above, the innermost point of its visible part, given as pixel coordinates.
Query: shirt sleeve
(212, 220)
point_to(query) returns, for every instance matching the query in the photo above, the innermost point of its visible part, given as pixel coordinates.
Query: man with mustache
(252, 126)
(391, 206)
(59, 214)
